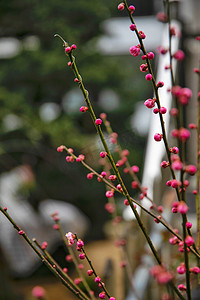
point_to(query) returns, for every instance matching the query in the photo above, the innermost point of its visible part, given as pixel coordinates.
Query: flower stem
(42, 257)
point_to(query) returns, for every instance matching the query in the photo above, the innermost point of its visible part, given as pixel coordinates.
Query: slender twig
(116, 171)
(168, 227)
(181, 144)
(59, 269)
(42, 257)
(74, 259)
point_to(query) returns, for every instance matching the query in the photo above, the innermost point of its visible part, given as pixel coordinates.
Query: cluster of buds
(161, 274)
(70, 49)
(182, 94)
(180, 206)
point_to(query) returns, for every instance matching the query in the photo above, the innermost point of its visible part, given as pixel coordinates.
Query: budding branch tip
(57, 35)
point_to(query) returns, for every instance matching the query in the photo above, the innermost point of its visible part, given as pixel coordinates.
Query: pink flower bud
(162, 17)
(82, 255)
(184, 134)
(68, 258)
(148, 77)
(83, 108)
(77, 281)
(172, 31)
(103, 116)
(160, 84)
(177, 165)
(142, 35)
(97, 279)
(131, 8)
(175, 183)
(182, 207)
(110, 207)
(135, 50)
(38, 292)
(80, 243)
(189, 225)
(90, 175)
(160, 208)
(112, 177)
(60, 148)
(174, 112)
(144, 57)
(173, 240)
(181, 269)
(102, 295)
(121, 6)
(98, 122)
(73, 47)
(109, 194)
(149, 103)
(119, 187)
(143, 68)
(81, 266)
(163, 110)
(126, 202)
(67, 49)
(135, 169)
(125, 152)
(103, 154)
(89, 272)
(69, 159)
(44, 245)
(189, 241)
(175, 133)
(190, 169)
(192, 126)
(179, 55)
(186, 183)
(134, 184)
(158, 137)
(196, 70)
(81, 157)
(195, 270)
(156, 110)
(132, 27)
(164, 164)
(150, 55)
(182, 287)
(174, 150)
(103, 174)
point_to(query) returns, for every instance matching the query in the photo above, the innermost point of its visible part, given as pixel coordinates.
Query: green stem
(74, 258)
(155, 88)
(167, 226)
(179, 121)
(93, 269)
(198, 170)
(99, 131)
(42, 257)
(59, 270)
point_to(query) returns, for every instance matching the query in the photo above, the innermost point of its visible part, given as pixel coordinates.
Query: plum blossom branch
(42, 257)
